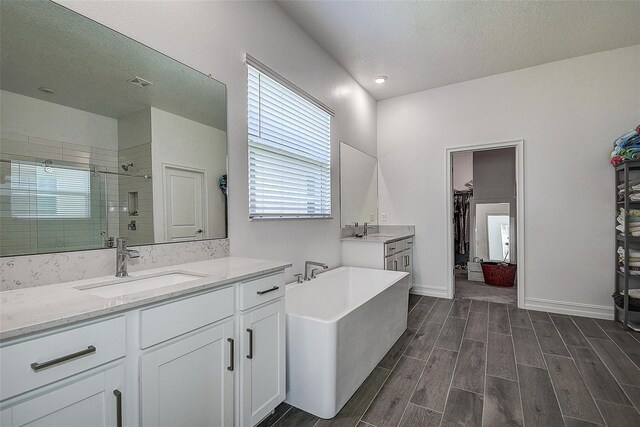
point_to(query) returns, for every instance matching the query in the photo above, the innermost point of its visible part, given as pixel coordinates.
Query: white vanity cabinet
(394, 255)
(211, 358)
(187, 368)
(90, 401)
(189, 381)
(262, 348)
(69, 377)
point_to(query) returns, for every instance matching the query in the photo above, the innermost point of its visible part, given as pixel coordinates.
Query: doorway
(486, 222)
(186, 208)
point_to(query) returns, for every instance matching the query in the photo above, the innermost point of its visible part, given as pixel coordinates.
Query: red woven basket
(498, 274)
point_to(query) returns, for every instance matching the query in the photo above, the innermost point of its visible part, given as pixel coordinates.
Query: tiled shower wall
(140, 156)
(37, 235)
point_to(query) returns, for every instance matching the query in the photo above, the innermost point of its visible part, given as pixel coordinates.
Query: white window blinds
(289, 152)
(57, 193)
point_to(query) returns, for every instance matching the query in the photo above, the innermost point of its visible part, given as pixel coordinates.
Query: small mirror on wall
(358, 186)
(103, 137)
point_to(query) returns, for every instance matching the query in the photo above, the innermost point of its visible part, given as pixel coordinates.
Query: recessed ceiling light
(47, 90)
(380, 79)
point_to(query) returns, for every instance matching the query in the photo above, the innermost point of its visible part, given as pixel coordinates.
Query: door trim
(205, 197)
(520, 224)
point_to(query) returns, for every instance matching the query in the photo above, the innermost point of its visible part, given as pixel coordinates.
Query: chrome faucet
(313, 271)
(122, 256)
(365, 229)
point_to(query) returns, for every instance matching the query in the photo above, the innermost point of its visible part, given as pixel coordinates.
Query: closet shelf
(631, 276)
(630, 239)
(624, 280)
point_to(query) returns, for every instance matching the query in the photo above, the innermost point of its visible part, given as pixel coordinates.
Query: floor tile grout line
(546, 367)
(455, 365)
(621, 349)
(578, 370)
(282, 416)
(374, 396)
(428, 409)
(425, 367)
(603, 364)
(513, 346)
(486, 362)
(433, 306)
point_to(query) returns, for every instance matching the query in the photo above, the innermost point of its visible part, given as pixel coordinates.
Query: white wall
(568, 112)
(213, 37)
(462, 164)
(182, 142)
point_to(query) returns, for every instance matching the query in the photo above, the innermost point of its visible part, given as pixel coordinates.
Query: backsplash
(350, 230)
(37, 270)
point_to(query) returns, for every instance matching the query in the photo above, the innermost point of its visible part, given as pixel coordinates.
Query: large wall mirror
(103, 137)
(358, 186)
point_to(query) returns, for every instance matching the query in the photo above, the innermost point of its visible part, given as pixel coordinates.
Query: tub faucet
(122, 256)
(313, 273)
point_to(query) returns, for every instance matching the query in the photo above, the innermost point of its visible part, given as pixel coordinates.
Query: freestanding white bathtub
(339, 326)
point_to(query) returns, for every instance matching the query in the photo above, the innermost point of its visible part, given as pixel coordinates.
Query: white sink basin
(133, 284)
(378, 235)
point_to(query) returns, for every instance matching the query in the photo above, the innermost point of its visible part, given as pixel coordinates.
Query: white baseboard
(429, 291)
(572, 308)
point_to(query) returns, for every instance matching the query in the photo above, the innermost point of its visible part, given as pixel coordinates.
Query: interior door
(185, 204)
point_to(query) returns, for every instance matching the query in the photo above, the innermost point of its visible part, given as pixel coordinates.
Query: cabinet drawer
(166, 321)
(261, 290)
(394, 247)
(30, 364)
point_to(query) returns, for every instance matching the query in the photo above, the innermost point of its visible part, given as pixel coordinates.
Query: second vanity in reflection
(193, 344)
(390, 249)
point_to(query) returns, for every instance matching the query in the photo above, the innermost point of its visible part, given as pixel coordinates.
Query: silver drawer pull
(39, 366)
(118, 394)
(231, 355)
(250, 355)
(391, 248)
(275, 288)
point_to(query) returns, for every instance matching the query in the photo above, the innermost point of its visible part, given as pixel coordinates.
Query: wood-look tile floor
(477, 363)
(479, 290)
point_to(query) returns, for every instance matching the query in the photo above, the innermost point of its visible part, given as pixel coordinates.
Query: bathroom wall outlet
(384, 216)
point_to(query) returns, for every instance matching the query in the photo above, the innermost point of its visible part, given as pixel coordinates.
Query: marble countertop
(379, 238)
(29, 310)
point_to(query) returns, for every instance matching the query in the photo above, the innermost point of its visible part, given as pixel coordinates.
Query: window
(49, 192)
(289, 149)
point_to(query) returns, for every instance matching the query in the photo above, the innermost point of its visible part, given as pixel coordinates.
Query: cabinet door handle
(408, 260)
(38, 366)
(275, 288)
(231, 355)
(395, 265)
(118, 396)
(250, 355)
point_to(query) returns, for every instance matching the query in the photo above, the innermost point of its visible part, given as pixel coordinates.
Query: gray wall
(494, 173)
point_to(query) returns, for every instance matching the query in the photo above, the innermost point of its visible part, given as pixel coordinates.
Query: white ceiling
(89, 66)
(426, 44)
